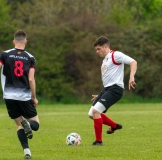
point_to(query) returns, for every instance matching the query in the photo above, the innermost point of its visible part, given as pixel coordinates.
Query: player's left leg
(22, 138)
(111, 96)
(109, 122)
(15, 113)
(30, 120)
(111, 130)
(29, 125)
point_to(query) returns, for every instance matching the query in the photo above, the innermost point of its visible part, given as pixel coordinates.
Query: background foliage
(61, 34)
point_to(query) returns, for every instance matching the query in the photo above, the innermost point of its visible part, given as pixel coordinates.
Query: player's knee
(94, 111)
(34, 125)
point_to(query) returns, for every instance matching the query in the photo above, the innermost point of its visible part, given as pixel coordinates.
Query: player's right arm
(32, 85)
(1, 64)
(94, 97)
(1, 59)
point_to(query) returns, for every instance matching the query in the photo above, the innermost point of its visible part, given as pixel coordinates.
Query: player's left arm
(133, 69)
(122, 58)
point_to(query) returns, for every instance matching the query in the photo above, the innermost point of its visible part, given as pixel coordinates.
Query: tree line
(61, 34)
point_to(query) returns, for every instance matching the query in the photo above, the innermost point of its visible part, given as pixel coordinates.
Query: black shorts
(109, 96)
(20, 108)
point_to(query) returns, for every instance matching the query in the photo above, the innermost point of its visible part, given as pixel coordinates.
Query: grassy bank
(140, 138)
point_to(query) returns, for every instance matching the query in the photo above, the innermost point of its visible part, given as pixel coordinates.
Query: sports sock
(34, 125)
(98, 129)
(27, 151)
(107, 121)
(22, 138)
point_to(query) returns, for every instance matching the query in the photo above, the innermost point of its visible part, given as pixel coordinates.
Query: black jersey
(14, 74)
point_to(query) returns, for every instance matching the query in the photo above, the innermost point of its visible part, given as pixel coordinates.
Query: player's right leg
(27, 128)
(90, 114)
(31, 121)
(34, 122)
(95, 112)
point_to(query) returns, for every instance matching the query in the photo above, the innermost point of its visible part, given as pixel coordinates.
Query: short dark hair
(101, 41)
(20, 35)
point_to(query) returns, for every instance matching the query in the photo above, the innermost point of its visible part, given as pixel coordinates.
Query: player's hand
(94, 97)
(35, 101)
(132, 83)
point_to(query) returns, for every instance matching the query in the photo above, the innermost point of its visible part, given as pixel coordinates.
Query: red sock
(98, 129)
(107, 121)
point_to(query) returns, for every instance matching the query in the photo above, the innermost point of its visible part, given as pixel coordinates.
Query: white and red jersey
(112, 69)
(16, 64)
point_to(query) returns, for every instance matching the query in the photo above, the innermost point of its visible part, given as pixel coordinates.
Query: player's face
(101, 50)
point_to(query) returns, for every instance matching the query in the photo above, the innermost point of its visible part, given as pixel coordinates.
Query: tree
(6, 25)
(61, 35)
(145, 10)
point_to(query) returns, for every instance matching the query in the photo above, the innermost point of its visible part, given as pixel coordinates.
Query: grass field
(140, 138)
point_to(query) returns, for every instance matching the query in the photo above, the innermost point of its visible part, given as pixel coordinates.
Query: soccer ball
(73, 139)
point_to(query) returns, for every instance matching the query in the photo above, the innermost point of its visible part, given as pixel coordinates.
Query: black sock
(22, 138)
(34, 125)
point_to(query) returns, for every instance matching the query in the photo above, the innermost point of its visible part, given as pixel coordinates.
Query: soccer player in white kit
(112, 71)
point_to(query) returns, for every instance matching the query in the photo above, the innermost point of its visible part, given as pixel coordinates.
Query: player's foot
(27, 156)
(27, 129)
(111, 130)
(97, 143)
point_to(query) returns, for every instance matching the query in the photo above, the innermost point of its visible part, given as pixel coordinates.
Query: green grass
(140, 138)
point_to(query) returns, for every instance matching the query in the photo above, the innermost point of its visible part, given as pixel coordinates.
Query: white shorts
(98, 107)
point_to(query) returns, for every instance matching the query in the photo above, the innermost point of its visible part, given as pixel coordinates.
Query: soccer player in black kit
(19, 90)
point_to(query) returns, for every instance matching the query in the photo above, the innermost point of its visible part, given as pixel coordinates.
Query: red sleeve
(113, 59)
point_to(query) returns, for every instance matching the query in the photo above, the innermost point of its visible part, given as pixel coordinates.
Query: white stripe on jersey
(3, 79)
(29, 54)
(9, 50)
(16, 93)
(111, 73)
